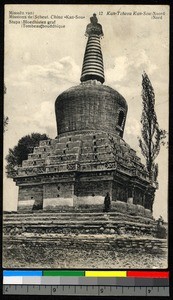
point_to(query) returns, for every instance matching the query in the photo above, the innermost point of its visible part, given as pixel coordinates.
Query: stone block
(106, 231)
(131, 209)
(148, 213)
(130, 200)
(34, 192)
(58, 190)
(25, 205)
(52, 203)
(140, 210)
(90, 200)
(119, 206)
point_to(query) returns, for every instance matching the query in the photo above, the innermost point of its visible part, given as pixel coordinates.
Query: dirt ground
(37, 254)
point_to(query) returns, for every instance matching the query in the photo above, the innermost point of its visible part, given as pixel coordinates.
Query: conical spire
(93, 60)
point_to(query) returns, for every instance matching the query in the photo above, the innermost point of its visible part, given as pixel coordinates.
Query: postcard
(86, 113)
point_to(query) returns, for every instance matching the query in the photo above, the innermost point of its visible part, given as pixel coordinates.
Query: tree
(20, 152)
(151, 135)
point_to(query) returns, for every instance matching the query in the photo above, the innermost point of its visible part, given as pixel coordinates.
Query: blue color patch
(22, 273)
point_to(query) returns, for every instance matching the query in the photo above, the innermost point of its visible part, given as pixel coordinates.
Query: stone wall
(93, 188)
(87, 107)
(77, 194)
(30, 197)
(130, 208)
(58, 190)
(150, 245)
(58, 194)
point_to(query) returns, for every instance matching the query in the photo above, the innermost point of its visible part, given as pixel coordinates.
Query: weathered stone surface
(76, 222)
(148, 213)
(140, 210)
(132, 209)
(89, 107)
(81, 167)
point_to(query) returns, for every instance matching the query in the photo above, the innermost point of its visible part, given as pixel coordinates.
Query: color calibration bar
(94, 278)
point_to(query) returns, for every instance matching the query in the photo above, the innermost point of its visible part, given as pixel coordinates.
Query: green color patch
(63, 273)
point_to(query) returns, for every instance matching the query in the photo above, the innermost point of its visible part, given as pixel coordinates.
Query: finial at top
(94, 28)
(94, 19)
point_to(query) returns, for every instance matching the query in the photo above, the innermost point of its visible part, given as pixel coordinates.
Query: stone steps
(77, 216)
(72, 219)
(69, 212)
(75, 222)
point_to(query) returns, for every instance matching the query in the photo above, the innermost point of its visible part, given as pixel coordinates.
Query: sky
(41, 63)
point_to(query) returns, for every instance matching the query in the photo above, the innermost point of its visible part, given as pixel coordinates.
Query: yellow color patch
(105, 274)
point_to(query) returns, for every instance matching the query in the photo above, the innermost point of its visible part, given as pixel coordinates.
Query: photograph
(86, 126)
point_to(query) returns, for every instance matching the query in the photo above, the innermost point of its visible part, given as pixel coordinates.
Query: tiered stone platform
(83, 229)
(78, 169)
(92, 150)
(77, 222)
(72, 239)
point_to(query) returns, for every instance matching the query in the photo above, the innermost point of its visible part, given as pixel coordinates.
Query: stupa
(89, 157)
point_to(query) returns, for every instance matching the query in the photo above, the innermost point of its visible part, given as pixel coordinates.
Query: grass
(66, 252)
